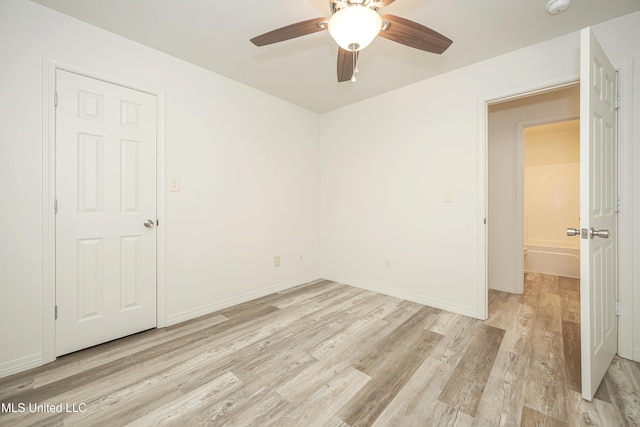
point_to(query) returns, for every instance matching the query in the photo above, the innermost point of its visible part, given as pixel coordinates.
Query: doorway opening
(533, 196)
(605, 328)
(508, 122)
(50, 196)
(552, 198)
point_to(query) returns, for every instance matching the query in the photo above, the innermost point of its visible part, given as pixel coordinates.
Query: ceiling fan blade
(414, 35)
(290, 32)
(345, 64)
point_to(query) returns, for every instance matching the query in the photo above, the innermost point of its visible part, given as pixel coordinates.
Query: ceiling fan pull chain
(355, 66)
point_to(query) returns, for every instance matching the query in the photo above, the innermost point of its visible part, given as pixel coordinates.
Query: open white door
(598, 243)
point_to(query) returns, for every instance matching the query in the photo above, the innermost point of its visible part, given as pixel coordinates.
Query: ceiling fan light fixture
(354, 27)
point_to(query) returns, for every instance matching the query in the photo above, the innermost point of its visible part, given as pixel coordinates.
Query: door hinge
(55, 99)
(55, 206)
(55, 312)
(618, 205)
(485, 221)
(617, 102)
(617, 308)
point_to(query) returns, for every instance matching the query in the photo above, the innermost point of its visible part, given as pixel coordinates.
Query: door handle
(592, 233)
(573, 232)
(599, 233)
(149, 223)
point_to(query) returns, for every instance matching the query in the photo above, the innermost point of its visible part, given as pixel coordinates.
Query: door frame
(482, 296)
(50, 67)
(625, 177)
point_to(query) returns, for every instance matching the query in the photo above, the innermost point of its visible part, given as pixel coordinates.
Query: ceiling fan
(353, 25)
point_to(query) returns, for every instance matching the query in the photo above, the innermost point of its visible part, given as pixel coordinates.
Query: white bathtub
(549, 260)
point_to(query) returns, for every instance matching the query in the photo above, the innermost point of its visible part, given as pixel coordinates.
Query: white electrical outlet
(300, 258)
(387, 263)
(276, 261)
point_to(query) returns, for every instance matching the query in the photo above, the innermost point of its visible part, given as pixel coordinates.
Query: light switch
(447, 196)
(175, 184)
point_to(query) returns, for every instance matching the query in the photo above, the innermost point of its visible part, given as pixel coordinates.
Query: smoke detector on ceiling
(555, 7)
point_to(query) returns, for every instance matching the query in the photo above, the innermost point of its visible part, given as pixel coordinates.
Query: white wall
(248, 164)
(505, 169)
(251, 177)
(552, 184)
(387, 161)
(385, 172)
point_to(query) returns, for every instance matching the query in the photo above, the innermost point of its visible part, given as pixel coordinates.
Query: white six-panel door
(105, 191)
(598, 194)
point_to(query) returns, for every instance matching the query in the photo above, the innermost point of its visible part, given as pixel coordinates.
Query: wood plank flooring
(329, 355)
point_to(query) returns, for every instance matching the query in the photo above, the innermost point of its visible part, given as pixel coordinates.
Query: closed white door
(105, 191)
(598, 194)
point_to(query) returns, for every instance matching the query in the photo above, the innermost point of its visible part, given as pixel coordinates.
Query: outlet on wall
(300, 258)
(276, 261)
(387, 263)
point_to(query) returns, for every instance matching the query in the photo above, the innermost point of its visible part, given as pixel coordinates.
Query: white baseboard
(18, 365)
(409, 296)
(502, 287)
(202, 310)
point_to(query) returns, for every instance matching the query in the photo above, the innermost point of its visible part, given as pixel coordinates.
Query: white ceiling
(215, 34)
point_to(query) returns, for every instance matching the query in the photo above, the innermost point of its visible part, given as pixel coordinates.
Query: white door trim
(48, 185)
(482, 291)
(625, 216)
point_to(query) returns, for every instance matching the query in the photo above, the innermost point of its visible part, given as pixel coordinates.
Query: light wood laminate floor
(326, 354)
